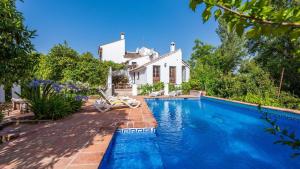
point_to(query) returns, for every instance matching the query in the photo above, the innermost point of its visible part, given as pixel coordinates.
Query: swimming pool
(208, 134)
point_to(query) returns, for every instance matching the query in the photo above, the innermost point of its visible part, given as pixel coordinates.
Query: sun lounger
(103, 105)
(175, 93)
(107, 103)
(156, 93)
(114, 98)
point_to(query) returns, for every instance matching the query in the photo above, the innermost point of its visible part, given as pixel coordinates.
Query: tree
(226, 57)
(90, 70)
(200, 50)
(216, 72)
(232, 48)
(276, 54)
(257, 17)
(64, 64)
(205, 77)
(58, 63)
(15, 44)
(279, 55)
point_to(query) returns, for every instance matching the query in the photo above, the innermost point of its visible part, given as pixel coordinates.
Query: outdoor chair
(108, 103)
(175, 93)
(156, 93)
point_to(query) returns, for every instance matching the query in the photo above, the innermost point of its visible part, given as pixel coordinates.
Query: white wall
(175, 59)
(140, 61)
(187, 73)
(114, 51)
(142, 79)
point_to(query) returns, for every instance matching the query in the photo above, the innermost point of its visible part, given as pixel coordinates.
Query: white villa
(146, 66)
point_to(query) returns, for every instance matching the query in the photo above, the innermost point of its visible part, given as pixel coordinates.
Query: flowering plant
(50, 100)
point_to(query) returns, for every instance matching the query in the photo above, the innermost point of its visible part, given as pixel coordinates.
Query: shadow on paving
(47, 143)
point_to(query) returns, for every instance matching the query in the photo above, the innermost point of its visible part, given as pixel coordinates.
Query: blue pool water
(133, 151)
(205, 134)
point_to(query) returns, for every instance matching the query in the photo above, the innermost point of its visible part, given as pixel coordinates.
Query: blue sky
(85, 24)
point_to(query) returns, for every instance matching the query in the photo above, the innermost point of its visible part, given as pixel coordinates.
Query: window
(133, 77)
(100, 52)
(134, 65)
(156, 74)
(172, 74)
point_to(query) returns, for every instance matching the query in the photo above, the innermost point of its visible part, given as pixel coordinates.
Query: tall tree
(232, 48)
(15, 44)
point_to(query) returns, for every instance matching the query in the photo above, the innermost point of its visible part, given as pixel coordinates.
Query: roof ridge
(152, 61)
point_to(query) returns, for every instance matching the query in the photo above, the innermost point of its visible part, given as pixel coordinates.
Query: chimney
(122, 35)
(172, 47)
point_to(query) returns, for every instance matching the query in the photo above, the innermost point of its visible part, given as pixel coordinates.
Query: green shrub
(257, 99)
(186, 87)
(1, 116)
(158, 86)
(147, 88)
(289, 101)
(172, 87)
(57, 108)
(75, 104)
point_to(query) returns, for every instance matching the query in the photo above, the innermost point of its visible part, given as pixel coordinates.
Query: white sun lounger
(103, 105)
(106, 104)
(113, 98)
(156, 93)
(175, 93)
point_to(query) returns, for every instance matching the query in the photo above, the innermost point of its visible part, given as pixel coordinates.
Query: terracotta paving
(76, 142)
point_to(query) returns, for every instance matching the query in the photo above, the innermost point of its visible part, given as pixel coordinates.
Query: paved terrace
(78, 141)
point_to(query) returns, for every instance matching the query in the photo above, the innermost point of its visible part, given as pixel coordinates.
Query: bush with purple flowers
(50, 100)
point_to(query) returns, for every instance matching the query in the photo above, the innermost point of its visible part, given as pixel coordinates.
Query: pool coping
(256, 105)
(170, 97)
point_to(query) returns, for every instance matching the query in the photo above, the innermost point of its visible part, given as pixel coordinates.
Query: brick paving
(76, 142)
